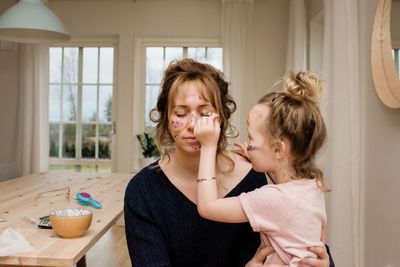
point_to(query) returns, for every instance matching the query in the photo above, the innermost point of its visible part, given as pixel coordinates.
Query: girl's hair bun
(302, 86)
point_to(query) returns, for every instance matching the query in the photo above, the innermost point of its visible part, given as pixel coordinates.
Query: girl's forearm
(206, 182)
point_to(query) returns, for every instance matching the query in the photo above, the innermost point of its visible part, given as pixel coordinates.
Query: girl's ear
(280, 149)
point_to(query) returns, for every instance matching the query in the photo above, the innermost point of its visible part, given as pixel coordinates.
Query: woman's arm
(323, 260)
(145, 243)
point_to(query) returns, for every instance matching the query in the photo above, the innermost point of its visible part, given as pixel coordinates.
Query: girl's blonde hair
(214, 90)
(295, 115)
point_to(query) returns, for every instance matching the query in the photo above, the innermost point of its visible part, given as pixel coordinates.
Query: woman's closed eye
(205, 114)
(180, 114)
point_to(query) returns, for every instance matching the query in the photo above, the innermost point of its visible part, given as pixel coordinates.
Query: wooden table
(35, 196)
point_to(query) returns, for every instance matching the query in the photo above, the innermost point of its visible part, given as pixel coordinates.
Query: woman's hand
(321, 261)
(260, 256)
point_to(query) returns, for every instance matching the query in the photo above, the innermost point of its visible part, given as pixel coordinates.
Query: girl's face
(188, 107)
(260, 149)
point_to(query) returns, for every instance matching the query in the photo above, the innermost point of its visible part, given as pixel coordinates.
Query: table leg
(81, 262)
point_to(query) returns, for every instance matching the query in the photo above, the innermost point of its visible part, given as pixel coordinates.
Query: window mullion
(78, 141)
(185, 52)
(97, 105)
(60, 124)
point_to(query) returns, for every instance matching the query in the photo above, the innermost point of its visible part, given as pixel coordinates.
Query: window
(158, 58)
(80, 105)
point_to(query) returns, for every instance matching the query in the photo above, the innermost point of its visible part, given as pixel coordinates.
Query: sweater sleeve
(145, 241)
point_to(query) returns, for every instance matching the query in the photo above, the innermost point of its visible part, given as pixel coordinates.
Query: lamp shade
(30, 21)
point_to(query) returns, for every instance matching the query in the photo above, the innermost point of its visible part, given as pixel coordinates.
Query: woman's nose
(193, 120)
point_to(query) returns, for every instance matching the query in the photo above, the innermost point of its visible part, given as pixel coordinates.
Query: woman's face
(188, 107)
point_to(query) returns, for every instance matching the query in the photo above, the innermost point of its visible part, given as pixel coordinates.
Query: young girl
(285, 130)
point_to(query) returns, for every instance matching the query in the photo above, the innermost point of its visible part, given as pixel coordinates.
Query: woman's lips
(192, 141)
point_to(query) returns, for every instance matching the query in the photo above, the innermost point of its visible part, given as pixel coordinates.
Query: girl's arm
(207, 132)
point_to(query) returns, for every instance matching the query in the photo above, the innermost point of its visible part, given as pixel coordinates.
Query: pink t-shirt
(289, 216)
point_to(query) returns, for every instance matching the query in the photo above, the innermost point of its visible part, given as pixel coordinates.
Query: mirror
(395, 33)
(384, 73)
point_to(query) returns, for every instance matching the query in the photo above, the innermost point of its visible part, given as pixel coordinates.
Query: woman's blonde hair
(295, 115)
(214, 90)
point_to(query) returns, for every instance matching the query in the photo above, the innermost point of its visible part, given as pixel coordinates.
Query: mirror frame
(384, 73)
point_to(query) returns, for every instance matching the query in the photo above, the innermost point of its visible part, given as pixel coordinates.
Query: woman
(163, 227)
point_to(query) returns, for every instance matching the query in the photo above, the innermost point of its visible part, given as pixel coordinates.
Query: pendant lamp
(30, 21)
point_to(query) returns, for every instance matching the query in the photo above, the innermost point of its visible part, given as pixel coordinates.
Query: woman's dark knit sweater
(163, 227)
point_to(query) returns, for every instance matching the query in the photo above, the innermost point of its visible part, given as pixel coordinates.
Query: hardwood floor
(110, 250)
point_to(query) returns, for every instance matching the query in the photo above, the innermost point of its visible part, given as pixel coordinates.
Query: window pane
(55, 61)
(69, 132)
(105, 103)
(70, 73)
(54, 103)
(69, 103)
(106, 64)
(151, 101)
(197, 53)
(89, 103)
(90, 59)
(172, 53)
(105, 141)
(54, 146)
(214, 57)
(88, 141)
(154, 64)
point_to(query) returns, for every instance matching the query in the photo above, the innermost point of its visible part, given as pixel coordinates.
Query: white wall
(8, 109)
(168, 19)
(9, 67)
(395, 23)
(381, 160)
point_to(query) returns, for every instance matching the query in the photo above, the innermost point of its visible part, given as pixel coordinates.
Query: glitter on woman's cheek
(195, 146)
(177, 124)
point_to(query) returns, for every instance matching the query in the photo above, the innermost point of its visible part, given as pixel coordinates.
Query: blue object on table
(86, 199)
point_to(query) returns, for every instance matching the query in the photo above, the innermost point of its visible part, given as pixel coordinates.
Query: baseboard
(8, 171)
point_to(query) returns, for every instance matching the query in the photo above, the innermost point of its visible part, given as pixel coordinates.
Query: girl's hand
(260, 256)
(321, 261)
(242, 151)
(207, 130)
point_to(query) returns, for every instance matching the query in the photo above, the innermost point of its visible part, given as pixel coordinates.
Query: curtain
(296, 55)
(33, 126)
(343, 163)
(238, 57)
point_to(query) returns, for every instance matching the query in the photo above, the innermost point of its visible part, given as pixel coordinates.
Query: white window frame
(139, 92)
(93, 42)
